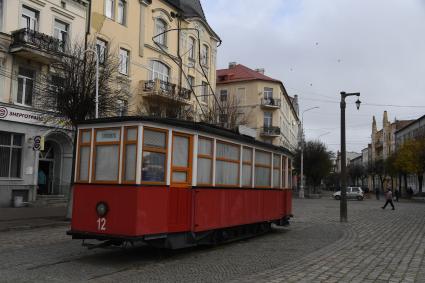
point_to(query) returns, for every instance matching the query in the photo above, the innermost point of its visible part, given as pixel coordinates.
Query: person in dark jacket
(389, 198)
(397, 194)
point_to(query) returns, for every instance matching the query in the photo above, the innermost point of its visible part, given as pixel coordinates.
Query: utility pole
(343, 201)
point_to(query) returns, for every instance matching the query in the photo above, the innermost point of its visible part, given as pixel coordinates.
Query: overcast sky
(318, 48)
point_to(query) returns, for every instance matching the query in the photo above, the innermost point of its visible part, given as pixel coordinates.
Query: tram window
(154, 156)
(107, 153)
(181, 166)
(205, 157)
(276, 171)
(227, 164)
(262, 169)
(84, 156)
(130, 149)
(247, 167)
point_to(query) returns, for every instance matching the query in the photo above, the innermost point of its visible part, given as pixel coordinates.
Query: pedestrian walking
(397, 194)
(389, 198)
(377, 193)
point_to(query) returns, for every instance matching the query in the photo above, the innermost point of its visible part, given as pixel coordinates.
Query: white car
(352, 193)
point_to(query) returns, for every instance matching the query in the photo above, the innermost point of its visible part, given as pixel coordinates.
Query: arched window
(160, 71)
(204, 55)
(192, 48)
(160, 28)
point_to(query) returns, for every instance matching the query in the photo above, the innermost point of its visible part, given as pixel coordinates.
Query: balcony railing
(271, 102)
(270, 131)
(37, 40)
(166, 90)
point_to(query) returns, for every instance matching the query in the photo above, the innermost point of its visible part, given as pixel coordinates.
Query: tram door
(181, 168)
(181, 180)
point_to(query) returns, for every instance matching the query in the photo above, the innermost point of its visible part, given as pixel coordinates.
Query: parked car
(352, 193)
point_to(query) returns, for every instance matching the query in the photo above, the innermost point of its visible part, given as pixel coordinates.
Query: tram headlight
(102, 209)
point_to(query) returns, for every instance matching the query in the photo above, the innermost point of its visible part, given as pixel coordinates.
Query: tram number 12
(101, 224)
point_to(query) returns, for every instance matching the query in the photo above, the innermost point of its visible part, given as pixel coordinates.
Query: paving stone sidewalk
(377, 246)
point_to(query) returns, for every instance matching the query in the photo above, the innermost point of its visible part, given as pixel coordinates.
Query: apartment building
(167, 52)
(33, 35)
(263, 102)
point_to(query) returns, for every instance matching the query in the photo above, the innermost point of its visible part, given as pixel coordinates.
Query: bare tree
(227, 113)
(68, 91)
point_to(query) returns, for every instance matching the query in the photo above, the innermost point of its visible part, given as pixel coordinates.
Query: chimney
(296, 105)
(232, 65)
(260, 70)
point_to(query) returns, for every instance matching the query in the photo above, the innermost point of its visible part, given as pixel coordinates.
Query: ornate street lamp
(343, 201)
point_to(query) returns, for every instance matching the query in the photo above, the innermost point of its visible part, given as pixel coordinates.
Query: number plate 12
(101, 224)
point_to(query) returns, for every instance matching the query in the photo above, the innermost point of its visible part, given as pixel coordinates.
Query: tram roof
(196, 126)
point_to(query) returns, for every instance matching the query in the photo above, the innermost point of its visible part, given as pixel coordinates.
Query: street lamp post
(301, 194)
(97, 80)
(343, 201)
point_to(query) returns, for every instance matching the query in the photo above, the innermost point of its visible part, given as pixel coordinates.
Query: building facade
(33, 34)
(167, 53)
(262, 102)
(413, 130)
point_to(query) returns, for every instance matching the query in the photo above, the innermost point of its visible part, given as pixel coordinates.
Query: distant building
(413, 130)
(264, 101)
(350, 155)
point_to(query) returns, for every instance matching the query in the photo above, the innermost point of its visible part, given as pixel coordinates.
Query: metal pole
(343, 202)
(301, 194)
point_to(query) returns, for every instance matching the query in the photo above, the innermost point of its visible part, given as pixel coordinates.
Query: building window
(107, 153)
(154, 156)
(29, 18)
(159, 71)
(124, 61)
(190, 81)
(268, 93)
(227, 164)
(122, 107)
(268, 119)
(109, 8)
(223, 95)
(101, 48)
(192, 48)
(61, 32)
(10, 155)
(160, 28)
(204, 92)
(63, 4)
(25, 86)
(122, 12)
(262, 168)
(247, 167)
(204, 55)
(205, 159)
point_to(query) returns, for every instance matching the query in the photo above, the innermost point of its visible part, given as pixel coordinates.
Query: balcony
(165, 91)
(270, 103)
(36, 46)
(270, 132)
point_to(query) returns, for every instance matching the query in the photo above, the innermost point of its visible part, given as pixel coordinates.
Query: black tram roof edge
(197, 126)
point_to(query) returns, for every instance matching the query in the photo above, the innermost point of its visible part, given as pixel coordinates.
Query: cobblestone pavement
(375, 245)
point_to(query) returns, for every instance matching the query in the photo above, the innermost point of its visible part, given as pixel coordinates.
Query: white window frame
(122, 12)
(124, 61)
(192, 48)
(205, 55)
(32, 21)
(160, 29)
(160, 71)
(268, 116)
(204, 92)
(101, 49)
(58, 32)
(268, 93)
(110, 13)
(24, 94)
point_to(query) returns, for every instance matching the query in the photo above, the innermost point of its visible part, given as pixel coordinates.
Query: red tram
(175, 184)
